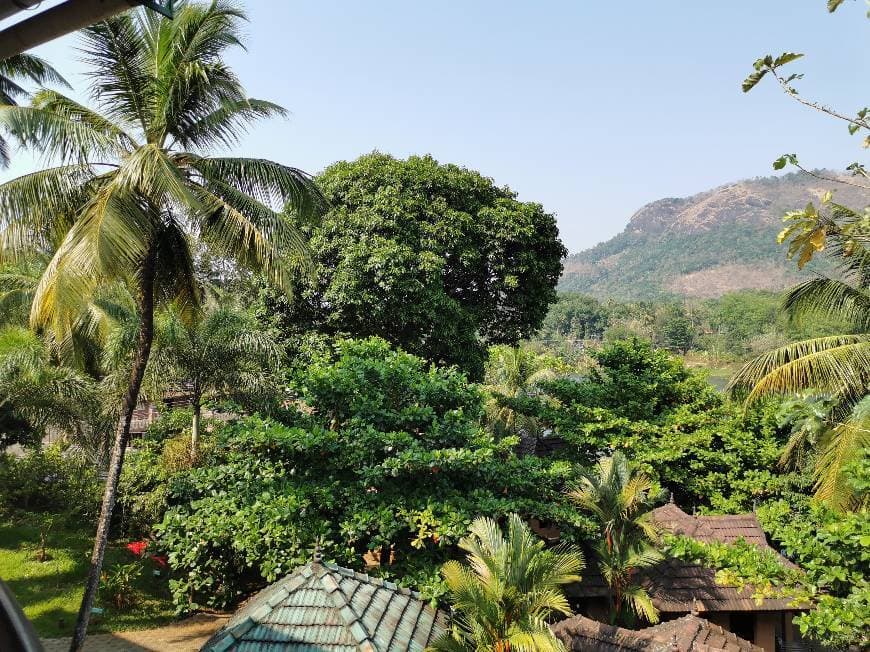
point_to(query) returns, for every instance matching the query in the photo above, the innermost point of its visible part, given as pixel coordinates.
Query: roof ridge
(351, 618)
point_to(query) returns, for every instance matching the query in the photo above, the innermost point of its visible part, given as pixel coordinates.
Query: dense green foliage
(729, 327)
(50, 480)
(708, 452)
(834, 551)
(833, 554)
(35, 393)
(434, 258)
(381, 453)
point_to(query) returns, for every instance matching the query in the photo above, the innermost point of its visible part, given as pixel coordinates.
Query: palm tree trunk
(194, 427)
(122, 436)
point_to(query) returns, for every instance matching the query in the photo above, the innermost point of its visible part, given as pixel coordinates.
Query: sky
(590, 108)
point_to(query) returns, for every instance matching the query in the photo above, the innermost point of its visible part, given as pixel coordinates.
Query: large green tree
(435, 258)
(132, 187)
(378, 452)
(503, 598)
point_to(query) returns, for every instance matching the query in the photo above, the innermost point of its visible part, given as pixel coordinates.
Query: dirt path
(185, 636)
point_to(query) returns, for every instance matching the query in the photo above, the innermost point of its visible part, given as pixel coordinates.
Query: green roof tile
(321, 607)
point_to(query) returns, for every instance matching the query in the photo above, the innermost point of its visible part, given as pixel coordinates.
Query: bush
(54, 479)
(117, 585)
(143, 491)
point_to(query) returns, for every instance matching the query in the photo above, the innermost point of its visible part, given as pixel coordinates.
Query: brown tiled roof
(711, 529)
(675, 585)
(685, 634)
(724, 529)
(678, 586)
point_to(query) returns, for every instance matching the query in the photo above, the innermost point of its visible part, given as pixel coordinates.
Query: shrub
(117, 585)
(54, 479)
(143, 491)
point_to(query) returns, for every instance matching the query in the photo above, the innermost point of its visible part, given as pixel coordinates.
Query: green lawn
(50, 591)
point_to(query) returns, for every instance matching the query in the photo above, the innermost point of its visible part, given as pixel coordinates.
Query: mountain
(704, 245)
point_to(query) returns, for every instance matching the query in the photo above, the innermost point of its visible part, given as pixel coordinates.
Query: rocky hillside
(704, 245)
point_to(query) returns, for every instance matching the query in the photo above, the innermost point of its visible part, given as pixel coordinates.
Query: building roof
(709, 529)
(678, 586)
(326, 608)
(726, 528)
(689, 633)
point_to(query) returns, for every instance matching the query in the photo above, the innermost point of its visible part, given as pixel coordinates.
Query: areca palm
(15, 69)
(509, 588)
(837, 365)
(131, 187)
(513, 372)
(621, 500)
(223, 352)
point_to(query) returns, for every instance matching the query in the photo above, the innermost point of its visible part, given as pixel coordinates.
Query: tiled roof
(689, 633)
(725, 529)
(678, 586)
(710, 529)
(327, 608)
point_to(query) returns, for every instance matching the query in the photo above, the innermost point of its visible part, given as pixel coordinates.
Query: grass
(50, 591)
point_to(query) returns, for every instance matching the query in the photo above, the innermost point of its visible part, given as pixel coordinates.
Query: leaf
(786, 57)
(833, 5)
(753, 79)
(781, 162)
(817, 239)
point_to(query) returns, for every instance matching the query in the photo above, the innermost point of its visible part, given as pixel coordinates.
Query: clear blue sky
(590, 108)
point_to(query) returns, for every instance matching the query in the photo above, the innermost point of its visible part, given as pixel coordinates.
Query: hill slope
(704, 245)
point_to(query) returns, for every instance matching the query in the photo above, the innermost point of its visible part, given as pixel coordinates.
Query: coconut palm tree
(838, 365)
(510, 587)
(18, 68)
(514, 372)
(133, 188)
(621, 500)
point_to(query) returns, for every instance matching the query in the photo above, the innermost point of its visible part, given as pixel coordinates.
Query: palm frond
(269, 183)
(841, 445)
(831, 298)
(120, 83)
(225, 125)
(38, 209)
(641, 603)
(35, 68)
(55, 136)
(839, 364)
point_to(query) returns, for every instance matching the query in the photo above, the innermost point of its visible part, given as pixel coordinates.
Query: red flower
(160, 560)
(137, 547)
